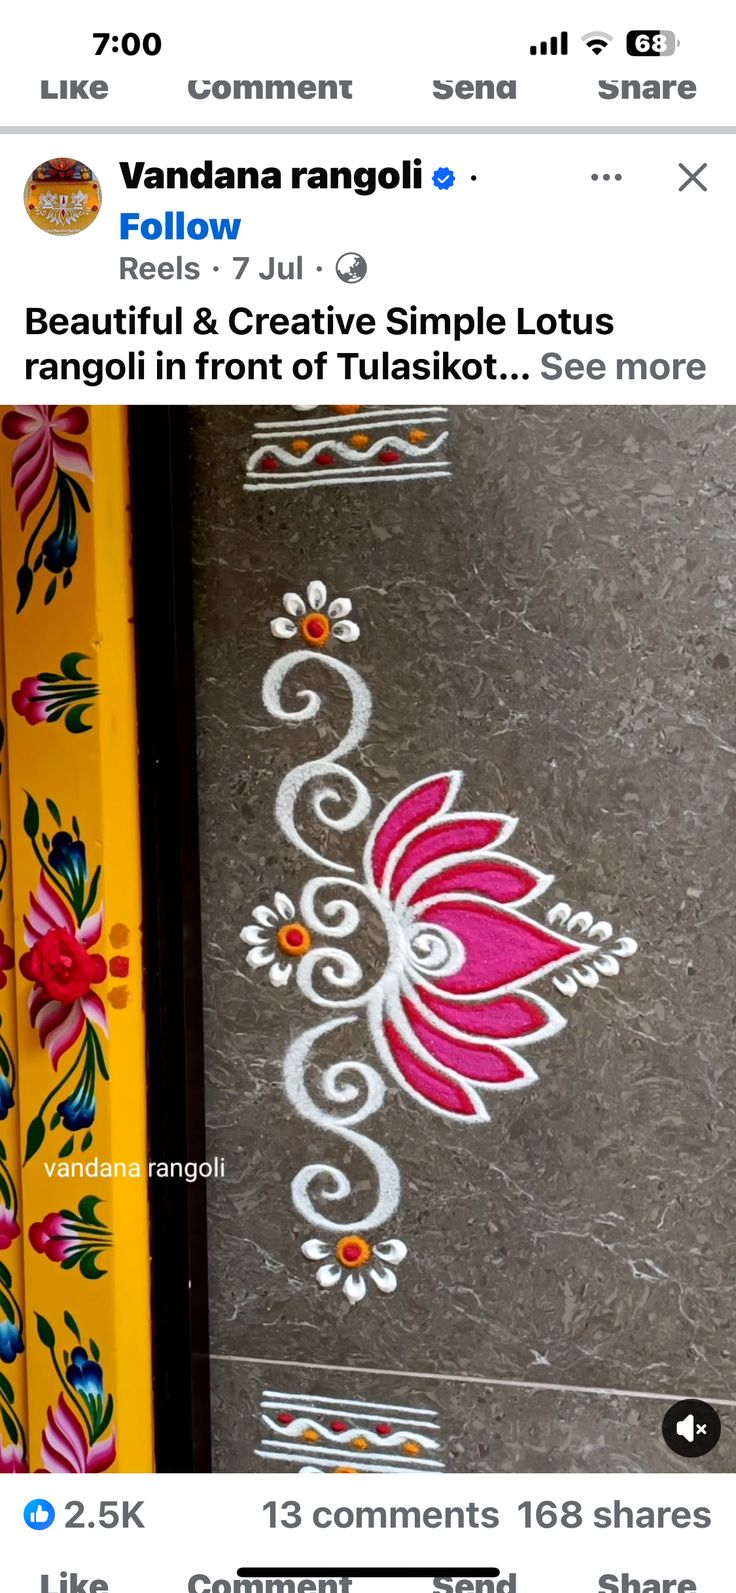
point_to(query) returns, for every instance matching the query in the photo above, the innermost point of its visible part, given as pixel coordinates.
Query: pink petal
(501, 946)
(94, 1009)
(22, 421)
(102, 1454)
(401, 816)
(89, 932)
(72, 456)
(461, 832)
(501, 879)
(434, 1087)
(483, 1063)
(37, 1000)
(64, 1444)
(56, 910)
(32, 477)
(71, 420)
(512, 1017)
(65, 1033)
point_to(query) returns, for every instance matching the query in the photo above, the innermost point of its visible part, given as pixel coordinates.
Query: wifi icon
(597, 42)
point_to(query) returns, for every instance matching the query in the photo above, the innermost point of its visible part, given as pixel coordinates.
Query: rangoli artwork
(321, 1432)
(350, 444)
(456, 1003)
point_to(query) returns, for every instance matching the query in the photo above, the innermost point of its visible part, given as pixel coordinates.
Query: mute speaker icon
(691, 1428)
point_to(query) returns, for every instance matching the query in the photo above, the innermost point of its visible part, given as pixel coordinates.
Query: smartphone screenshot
(367, 799)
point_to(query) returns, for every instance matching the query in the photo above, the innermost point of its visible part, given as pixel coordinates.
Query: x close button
(693, 177)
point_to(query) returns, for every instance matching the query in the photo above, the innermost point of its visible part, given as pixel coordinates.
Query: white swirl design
(326, 799)
(339, 1087)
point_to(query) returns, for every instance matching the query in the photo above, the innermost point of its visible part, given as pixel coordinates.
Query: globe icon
(351, 267)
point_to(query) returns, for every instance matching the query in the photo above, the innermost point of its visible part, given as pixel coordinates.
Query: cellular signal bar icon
(553, 46)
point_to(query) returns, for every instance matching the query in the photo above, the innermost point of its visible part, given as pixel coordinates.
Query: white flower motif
(352, 1259)
(312, 621)
(276, 931)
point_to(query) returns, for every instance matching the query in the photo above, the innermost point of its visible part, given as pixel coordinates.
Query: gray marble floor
(555, 620)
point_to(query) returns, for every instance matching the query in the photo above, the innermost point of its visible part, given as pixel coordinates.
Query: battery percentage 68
(651, 41)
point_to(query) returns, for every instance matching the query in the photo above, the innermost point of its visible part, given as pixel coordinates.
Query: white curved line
(302, 1424)
(297, 461)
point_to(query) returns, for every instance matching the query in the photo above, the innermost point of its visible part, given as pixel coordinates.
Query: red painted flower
(9, 1230)
(45, 442)
(63, 971)
(65, 1445)
(7, 960)
(454, 1005)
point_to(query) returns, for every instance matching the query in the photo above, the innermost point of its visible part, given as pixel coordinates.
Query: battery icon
(651, 41)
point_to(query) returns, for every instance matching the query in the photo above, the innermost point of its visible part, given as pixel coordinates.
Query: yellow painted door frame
(75, 1314)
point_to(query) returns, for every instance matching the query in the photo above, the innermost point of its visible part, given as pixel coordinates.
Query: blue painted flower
(78, 1111)
(84, 1375)
(11, 1342)
(68, 857)
(61, 548)
(6, 1096)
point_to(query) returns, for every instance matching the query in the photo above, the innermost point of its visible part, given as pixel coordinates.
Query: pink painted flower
(65, 1445)
(454, 1004)
(7, 960)
(30, 702)
(9, 1229)
(63, 971)
(11, 1459)
(52, 1237)
(45, 442)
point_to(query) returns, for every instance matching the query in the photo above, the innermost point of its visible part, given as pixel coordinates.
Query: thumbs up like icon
(39, 1514)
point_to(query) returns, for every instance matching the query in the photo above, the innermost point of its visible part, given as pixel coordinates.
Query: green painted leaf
(68, 1147)
(75, 827)
(95, 1351)
(107, 1418)
(89, 1270)
(70, 666)
(72, 1326)
(31, 818)
(55, 1121)
(94, 883)
(5, 1276)
(25, 586)
(7, 1306)
(3, 1152)
(81, 494)
(45, 1332)
(87, 1210)
(87, 1141)
(50, 592)
(54, 811)
(35, 1137)
(75, 719)
(6, 1389)
(67, 578)
(9, 1425)
(38, 561)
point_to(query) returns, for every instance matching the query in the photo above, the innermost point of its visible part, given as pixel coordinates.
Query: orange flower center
(316, 629)
(293, 939)
(352, 1251)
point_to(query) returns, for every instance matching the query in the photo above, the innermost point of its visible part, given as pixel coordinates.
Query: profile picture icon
(62, 197)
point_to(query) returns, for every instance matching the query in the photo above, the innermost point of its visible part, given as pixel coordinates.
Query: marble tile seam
(409, 1375)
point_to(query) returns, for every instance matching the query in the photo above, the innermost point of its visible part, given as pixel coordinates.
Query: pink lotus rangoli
(455, 1003)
